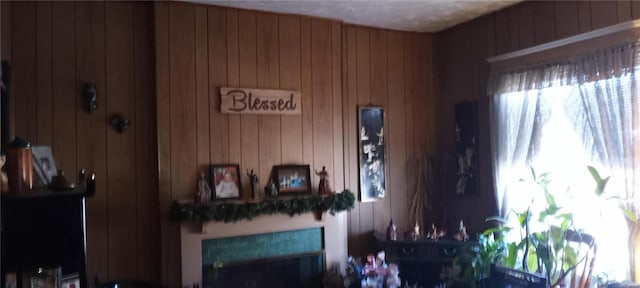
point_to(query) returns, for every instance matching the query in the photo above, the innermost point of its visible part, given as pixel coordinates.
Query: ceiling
(418, 15)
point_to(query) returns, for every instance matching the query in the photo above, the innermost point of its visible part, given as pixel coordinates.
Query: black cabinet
(420, 261)
(44, 229)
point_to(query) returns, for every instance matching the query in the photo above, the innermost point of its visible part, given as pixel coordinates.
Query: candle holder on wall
(120, 122)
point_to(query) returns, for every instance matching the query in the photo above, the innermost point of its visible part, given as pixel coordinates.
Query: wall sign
(260, 101)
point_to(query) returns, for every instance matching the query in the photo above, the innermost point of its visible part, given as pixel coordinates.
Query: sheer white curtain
(564, 115)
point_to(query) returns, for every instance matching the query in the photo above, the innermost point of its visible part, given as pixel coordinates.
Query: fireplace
(280, 242)
(293, 258)
(302, 270)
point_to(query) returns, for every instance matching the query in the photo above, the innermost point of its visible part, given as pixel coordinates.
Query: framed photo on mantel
(371, 148)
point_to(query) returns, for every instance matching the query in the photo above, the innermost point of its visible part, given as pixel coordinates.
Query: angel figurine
(204, 191)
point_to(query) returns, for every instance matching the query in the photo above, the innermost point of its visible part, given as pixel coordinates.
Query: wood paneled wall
(462, 73)
(201, 48)
(54, 47)
(393, 70)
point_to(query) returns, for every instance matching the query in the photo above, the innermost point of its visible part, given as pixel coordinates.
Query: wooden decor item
(260, 101)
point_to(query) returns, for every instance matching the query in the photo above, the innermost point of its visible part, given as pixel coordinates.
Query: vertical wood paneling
(170, 238)
(24, 69)
(378, 75)
(566, 18)
(64, 103)
(396, 130)
(526, 27)
(363, 90)
(145, 150)
(44, 135)
(290, 56)
(624, 10)
(121, 178)
(268, 76)
(202, 89)
(68, 44)
(233, 76)
(603, 13)
(584, 16)
(544, 17)
(307, 92)
(92, 150)
(249, 140)
(5, 30)
(352, 136)
(183, 112)
(410, 94)
(635, 9)
(217, 55)
(321, 65)
(336, 83)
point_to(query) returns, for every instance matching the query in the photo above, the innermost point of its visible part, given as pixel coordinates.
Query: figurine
(204, 191)
(462, 233)
(323, 186)
(4, 181)
(392, 233)
(253, 179)
(271, 190)
(415, 235)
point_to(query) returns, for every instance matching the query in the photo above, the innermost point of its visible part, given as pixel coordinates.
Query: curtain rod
(566, 41)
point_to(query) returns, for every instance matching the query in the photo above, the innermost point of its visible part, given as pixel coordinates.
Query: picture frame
(43, 163)
(226, 183)
(292, 179)
(372, 153)
(466, 120)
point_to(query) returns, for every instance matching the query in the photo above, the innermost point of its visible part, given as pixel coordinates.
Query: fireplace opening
(302, 270)
(293, 258)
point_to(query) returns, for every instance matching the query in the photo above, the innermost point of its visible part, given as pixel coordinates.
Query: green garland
(232, 212)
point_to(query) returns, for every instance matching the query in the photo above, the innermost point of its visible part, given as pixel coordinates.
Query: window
(559, 117)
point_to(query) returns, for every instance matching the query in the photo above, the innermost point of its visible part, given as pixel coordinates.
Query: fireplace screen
(301, 270)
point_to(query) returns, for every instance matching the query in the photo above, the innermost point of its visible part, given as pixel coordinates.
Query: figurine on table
(462, 233)
(415, 234)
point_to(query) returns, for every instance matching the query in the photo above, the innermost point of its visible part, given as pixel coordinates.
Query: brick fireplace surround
(191, 235)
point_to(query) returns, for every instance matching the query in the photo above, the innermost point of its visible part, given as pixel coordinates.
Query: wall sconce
(90, 95)
(119, 122)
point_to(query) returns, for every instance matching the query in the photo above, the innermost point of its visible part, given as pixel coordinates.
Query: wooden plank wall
(54, 47)
(462, 73)
(201, 48)
(389, 69)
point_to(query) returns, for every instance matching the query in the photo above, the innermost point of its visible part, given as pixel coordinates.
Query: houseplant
(543, 250)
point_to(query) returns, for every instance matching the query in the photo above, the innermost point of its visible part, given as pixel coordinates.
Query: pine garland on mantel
(232, 212)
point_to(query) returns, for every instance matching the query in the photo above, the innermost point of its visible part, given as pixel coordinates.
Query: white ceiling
(417, 15)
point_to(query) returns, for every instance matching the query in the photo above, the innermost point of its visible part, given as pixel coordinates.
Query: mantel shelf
(233, 212)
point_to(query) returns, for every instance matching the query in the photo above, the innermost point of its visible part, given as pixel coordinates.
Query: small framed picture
(225, 180)
(43, 163)
(292, 179)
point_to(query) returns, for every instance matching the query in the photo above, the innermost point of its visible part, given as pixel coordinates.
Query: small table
(420, 261)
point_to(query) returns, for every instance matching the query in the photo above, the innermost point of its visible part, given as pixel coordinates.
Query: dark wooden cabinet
(420, 261)
(44, 229)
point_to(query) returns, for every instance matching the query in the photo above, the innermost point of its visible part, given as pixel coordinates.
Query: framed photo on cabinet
(225, 180)
(292, 179)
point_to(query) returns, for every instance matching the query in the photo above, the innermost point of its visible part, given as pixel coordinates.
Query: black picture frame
(292, 179)
(221, 187)
(466, 117)
(372, 153)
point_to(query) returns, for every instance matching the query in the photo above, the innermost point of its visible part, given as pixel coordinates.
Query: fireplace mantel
(191, 235)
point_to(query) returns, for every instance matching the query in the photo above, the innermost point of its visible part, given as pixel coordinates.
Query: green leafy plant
(491, 248)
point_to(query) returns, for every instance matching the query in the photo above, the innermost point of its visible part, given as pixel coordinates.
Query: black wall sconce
(120, 123)
(89, 97)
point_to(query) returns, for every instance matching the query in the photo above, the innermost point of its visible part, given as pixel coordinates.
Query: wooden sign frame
(260, 101)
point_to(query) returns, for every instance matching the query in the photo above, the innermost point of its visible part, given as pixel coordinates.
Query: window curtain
(604, 112)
